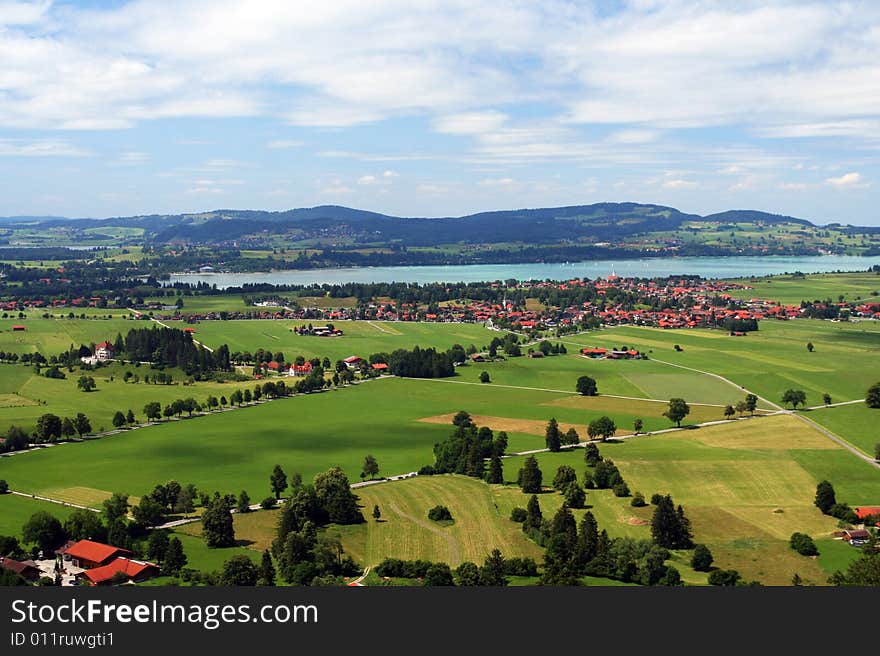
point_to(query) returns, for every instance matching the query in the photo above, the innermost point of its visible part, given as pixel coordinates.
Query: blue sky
(433, 109)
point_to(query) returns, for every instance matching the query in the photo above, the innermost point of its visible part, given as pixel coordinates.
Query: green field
(844, 363)
(15, 510)
(24, 395)
(791, 290)
(745, 491)
(360, 337)
(856, 423)
(53, 336)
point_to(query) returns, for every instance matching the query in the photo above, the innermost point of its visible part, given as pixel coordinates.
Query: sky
(427, 108)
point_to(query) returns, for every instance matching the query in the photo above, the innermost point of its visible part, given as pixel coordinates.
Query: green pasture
(236, 450)
(24, 395)
(844, 362)
(746, 487)
(15, 510)
(53, 336)
(791, 290)
(360, 337)
(205, 304)
(856, 423)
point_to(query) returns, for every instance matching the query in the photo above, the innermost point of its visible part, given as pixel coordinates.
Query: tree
(217, 526)
(571, 437)
(534, 518)
(586, 386)
(266, 571)
(118, 419)
(157, 546)
(175, 558)
(468, 575)
(729, 412)
(68, 430)
(669, 528)
(48, 427)
(149, 512)
(244, 502)
(826, 398)
(438, 574)
(575, 497)
(638, 425)
(129, 417)
(82, 424)
(371, 466)
(601, 428)
(751, 403)
(810, 347)
(335, 496)
(4, 486)
(530, 476)
(877, 452)
(724, 577)
(278, 481)
(377, 514)
(872, 396)
(492, 571)
(116, 507)
(803, 544)
(794, 397)
(239, 571)
(84, 524)
(484, 377)
(677, 411)
(825, 497)
(86, 383)
(741, 407)
(565, 474)
(43, 530)
(496, 470)
(552, 436)
(591, 455)
(702, 559)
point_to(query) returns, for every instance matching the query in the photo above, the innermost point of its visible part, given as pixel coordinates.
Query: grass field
(360, 337)
(52, 336)
(405, 531)
(24, 395)
(844, 363)
(856, 423)
(745, 497)
(15, 510)
(813, 287)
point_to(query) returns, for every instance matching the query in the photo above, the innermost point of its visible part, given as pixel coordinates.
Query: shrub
(520, 567)
(621, 489)
(427, 470)
(268, 503)
(440, 514)
(656, 498)
(803, 544)
(638, 500)
(724, 577)
(4, 486)
(518, 515)
(702, 559)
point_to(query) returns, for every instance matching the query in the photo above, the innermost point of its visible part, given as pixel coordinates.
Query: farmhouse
(303, 369)
(379, 366)
(536, 354)
(856, 536)
(88, 554)
(134, 571)
(27, 569)
(17, 329)
(594, 352)
(868, 512)
(104, 351)
(352, 361)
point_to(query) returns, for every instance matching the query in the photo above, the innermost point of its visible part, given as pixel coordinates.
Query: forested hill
(344, 226)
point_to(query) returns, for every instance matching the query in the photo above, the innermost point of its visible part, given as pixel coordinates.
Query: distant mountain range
(597, 222)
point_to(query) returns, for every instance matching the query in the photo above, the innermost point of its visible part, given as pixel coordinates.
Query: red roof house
(380, 366)
(134, 570)
(26, 570)
(88, 554)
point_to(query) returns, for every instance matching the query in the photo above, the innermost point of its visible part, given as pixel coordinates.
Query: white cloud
(470, 122)
(42, 148)
(633, 136)
(497, 182)
(432, 189)
(281, 144)
(133, 157)
(847, 181)
(679, 183)
(793, 186)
